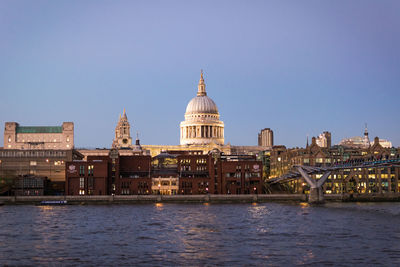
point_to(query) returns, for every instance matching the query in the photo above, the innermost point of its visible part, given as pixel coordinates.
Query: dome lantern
(201, 87)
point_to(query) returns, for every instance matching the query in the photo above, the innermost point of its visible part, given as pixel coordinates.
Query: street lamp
(255, 190)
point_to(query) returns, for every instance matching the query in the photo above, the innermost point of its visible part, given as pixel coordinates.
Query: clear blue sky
(298, 67)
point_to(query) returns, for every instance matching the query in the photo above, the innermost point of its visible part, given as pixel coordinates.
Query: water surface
(275, 234)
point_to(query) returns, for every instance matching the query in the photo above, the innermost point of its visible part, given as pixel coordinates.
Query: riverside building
(38, 151)
(169, 173)
(377, 180)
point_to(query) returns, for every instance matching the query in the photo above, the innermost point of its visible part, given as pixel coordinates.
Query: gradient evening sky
(298, 67)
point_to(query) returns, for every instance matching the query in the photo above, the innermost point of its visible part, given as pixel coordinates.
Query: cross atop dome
(201, 87)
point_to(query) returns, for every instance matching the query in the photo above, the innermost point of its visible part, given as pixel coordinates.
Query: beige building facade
(266, 138)
(38, 137)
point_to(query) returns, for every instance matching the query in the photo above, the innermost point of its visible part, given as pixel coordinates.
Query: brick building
(89, 177)
(239, 174)
(134, 175)
(169, 173)
(196, 174)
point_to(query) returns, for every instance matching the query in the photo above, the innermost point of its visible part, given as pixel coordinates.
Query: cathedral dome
(202, 125)
(201, 104)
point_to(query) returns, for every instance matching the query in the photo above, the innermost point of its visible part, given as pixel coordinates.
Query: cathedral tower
(123, 137)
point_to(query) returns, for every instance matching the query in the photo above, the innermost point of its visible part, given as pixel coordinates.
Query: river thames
(267, 234)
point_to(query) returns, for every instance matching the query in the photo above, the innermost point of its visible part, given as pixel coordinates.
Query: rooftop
(39, 129)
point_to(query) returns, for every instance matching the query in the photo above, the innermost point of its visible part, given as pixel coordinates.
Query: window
(9, 139)
(81, 192)
(82, 170)
(33, 163)
(90, 182)
(319, 160)
(81, 182)
(90, 170)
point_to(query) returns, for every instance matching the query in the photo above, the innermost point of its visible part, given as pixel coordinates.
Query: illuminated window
(319, 160)
(33, 163)
(81, 192)
(9, 139)
(90, 170)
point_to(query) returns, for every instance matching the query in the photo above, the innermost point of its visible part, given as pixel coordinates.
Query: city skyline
(295, 68)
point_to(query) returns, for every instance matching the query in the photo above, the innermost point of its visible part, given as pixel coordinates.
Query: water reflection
(201, 234)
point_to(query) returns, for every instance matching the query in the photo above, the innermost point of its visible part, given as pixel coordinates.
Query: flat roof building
(39, 137)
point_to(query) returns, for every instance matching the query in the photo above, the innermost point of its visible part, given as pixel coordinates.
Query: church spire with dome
(202, 125)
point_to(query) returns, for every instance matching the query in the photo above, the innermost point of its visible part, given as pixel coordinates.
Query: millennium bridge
(316, 190)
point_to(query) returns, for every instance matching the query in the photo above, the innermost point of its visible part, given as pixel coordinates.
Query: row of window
(239, 174)
(32, 153)
(90, 170)
(164, 183)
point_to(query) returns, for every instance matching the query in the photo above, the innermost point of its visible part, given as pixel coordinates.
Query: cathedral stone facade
(201, 125)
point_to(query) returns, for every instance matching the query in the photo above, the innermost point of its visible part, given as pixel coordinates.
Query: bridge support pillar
(316, 195)
(316, 190)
